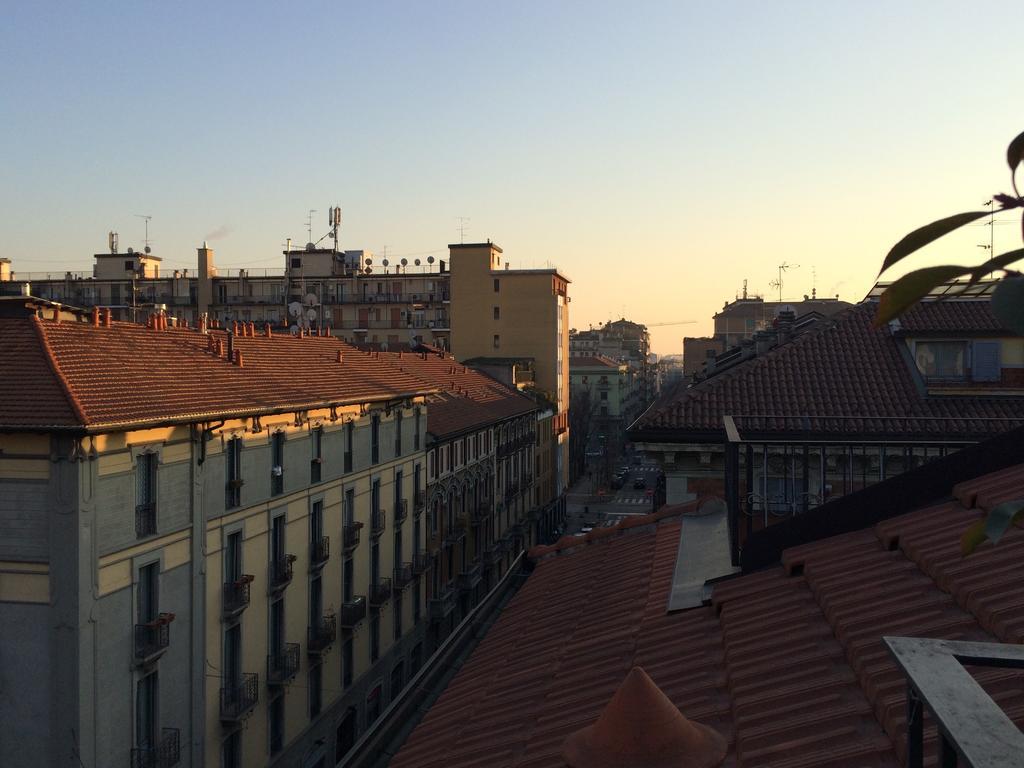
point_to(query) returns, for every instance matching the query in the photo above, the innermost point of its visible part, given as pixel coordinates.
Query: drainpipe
(197, 568)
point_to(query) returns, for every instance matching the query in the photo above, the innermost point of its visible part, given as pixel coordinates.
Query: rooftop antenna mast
(146, 218)
(462, 227)
(334, 220)
(778, 283)
(309, 225)
(814, 282)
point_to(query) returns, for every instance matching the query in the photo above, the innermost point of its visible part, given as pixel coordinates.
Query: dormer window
(941, 361)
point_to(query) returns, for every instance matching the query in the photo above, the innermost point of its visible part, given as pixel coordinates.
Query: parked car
(640, 484)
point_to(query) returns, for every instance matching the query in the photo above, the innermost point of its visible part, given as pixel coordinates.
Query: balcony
(319, 551)
(481, 512)
(441, 605)
(352, 612)
(152, 638)
(380, 591)
(377, 521)
(469, 576)
(420, 561)
(455, 533)
(419, 501)
(165, 754)
(403, 577)
(283, 666)
(238, 699)
(401, 511)
(280, 573)
(145, 519)
(323, 635)
(236, 595)
(350, 536)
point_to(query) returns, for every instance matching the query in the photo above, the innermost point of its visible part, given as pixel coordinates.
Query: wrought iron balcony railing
(145, 519)
(165, 754)
(239, 697)
(377, 521)
(350, 536)
(441, 605)
(280, 572)
(401, 511)
(153, 637)
(481, 511)
(352, 612)
(380, 591)
(456, 533)
(419, 501)
(420, 561)
(283, 666)
(322, 635)
(403, 577)
(319, 551)
(470, 576)
(236, 595)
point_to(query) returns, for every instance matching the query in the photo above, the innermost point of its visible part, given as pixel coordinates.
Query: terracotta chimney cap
(641, 728)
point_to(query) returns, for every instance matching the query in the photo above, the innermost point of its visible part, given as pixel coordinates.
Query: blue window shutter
(986, 361)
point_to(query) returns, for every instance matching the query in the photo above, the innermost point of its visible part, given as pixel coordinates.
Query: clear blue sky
(658, 152)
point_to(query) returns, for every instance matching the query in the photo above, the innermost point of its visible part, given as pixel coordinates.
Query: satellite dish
(417, 262)
(368, 270)
(310, 299)
(311, 315)
(131, 251)
(405, 262)
(310, 246)
(147, 249)
(430, 259)
(295, 309)
(385, 262)
(369, 261)
(294, 330)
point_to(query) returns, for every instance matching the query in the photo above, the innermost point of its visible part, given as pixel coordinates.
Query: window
(145, 496)
(374, 639)
(278, 556)
(233, 558)
(347, 660)
(233, 472)
(416, 432)
(146, 712)
(316, 681)
(349, 433)
(416, 601)
(345, 738)
(129, 265)
(375, 439)
(942, 360)
(373, 705)
(277, 463)
(231, 751)
(604, 395)
(398, 434)
(986, 364)
(397, 623)
(497, 313)
(317, 438)
(296, 262)
(397, 679)
(276, 629)
(275, 718)
(348, 576)
(149, 594)
(497, 341)
(317, 544)
(497, 285)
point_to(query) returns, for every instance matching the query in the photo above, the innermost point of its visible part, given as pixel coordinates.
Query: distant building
(612, 399)
(624, 341)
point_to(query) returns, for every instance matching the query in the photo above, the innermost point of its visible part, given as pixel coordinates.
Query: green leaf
(909, 289)
(1001, 517)
(926, 234)
(1015, 152)
(1002, 261)
(973, 537)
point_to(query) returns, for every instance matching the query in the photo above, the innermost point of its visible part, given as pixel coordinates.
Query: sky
(659, 153)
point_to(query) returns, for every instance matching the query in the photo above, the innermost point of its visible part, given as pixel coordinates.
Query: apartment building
(517, 319)
(203, 542)
(359, 296)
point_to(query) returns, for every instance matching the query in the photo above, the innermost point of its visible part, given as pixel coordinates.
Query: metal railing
(319, 551)
(456, 532)
(420, 561)
(281, 572)
(145, 519)
(403, 577)
(973, 729)
(441, 605)
(380, 591)
(236, 595)
(470, 576)
(352, 612)
(323, 634)
(283, 666)
(377, 522)
(401, 511)
(350, 536)
(165, 754)
(152, 638)
(237, 699)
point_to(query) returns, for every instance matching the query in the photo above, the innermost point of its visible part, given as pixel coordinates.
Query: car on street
(640, 484)
(617, 482)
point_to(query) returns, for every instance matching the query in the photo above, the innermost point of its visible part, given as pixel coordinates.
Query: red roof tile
(961, 316)
(592, 361)
(72, 374)
(787, 663)
(843, 367)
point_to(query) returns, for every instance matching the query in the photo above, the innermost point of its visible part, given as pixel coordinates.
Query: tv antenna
(334, 219)
(146, 218)
(462, 227)
(991, 228)
(309, 225)
(778, 283)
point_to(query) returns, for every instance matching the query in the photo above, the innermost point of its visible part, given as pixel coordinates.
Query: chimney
(204, 283)
(267, 331)
(108, 318)
(202, 323)
(238, 359)
(341, 356)
(641, 728)
(95, 317)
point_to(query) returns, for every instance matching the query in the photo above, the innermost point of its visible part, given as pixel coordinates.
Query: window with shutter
(987, 365)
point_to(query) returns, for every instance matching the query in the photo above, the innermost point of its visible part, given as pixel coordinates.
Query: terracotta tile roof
(72, 374)
(961, 316)
(466, 398)
(787, 663)
(841, 368)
